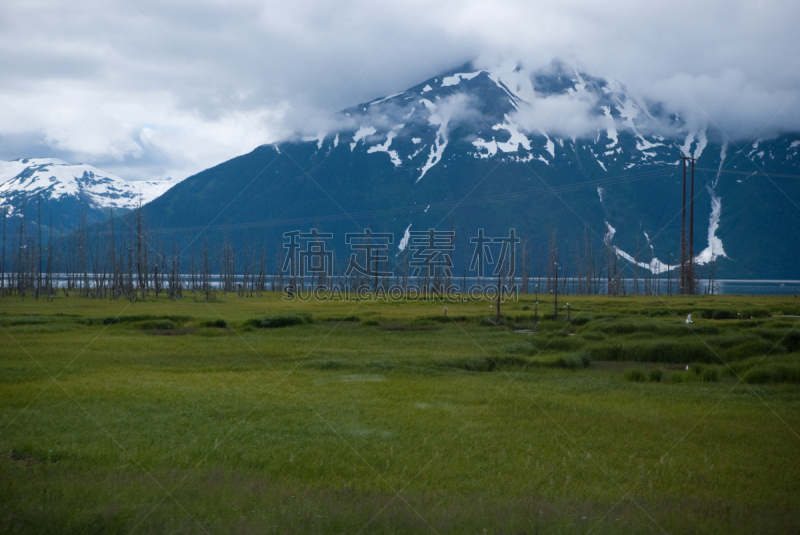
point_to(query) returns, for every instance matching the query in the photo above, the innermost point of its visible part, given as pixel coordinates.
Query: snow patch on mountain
(319, 138)
(456, 78)
(439, 144)
(404, 240)
(385, 148)
(361, 133)
(428, 104)
(702, 141)
(714, 248)
(611, 130)
(610, 231)
(384, 99)
(656, 266)
(511, 78)
(649, 243)
(599, 162)
(489, 146)
(549, 145)
(440, 116)
(517, 137)
(628, 111)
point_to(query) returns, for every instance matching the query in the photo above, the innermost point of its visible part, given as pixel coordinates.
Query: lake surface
(760, 287)
(722, 286)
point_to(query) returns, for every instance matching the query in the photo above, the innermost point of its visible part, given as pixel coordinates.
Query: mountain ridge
(471, 133)
(69, 190)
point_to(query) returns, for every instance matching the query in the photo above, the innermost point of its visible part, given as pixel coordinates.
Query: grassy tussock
(634, 375)
(337, 319)
(655, 375)
(111, 320)
(215, 324)
(511, 363)
(442, 319)
(661, 351)
(773, 373)
(279, 320)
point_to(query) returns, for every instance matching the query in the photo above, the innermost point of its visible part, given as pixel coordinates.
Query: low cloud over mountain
(148, 90)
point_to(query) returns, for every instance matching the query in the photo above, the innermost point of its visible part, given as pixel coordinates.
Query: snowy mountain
(66, 190)
(504, 148)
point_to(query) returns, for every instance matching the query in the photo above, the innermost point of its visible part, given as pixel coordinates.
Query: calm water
(761, 287)
(723, 286)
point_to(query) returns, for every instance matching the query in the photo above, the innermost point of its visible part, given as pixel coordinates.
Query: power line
(779, 175)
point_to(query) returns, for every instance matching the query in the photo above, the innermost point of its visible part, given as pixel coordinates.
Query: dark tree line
(131, 262)
(125, 259)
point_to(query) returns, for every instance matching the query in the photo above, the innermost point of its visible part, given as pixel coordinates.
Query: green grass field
(255, 415)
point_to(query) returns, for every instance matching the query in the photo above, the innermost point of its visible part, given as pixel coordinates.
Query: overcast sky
(151, 89)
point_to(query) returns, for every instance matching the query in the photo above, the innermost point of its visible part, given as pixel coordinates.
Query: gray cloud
(258, 71)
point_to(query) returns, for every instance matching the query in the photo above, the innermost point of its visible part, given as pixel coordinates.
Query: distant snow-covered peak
(53, 179)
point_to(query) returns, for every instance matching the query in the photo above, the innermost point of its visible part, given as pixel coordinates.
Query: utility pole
(687, 263)
(691, 235)
(683, 232)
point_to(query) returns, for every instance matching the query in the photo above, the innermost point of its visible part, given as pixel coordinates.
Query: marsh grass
(308, 427)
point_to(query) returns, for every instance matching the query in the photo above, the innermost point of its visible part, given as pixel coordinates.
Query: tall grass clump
(747, 349)
(710, 375)
(634, 375)
(582, 320)
(663, 350)
(157, 325)
(570, 362)
(215, 324)
(280, 320)
(792, 342)
(641, 326)
(773, 373)
(111, 320)
(656, 375)
(342, 318)
(431, 320)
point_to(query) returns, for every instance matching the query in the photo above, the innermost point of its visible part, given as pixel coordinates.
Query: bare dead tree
(525, 274)
(3, 268)
(39, 255)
